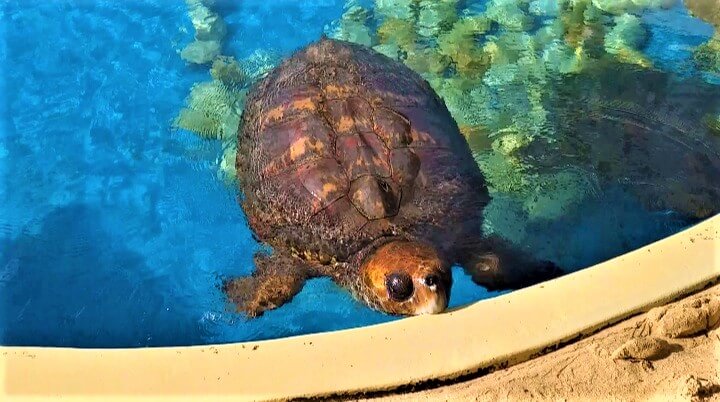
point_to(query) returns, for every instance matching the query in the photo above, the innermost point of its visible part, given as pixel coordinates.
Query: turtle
(351, 167)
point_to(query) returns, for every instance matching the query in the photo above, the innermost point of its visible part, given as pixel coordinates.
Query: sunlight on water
(595, 123)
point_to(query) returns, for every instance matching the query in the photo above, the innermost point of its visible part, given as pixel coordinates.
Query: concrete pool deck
(687, 371)
(489, 334)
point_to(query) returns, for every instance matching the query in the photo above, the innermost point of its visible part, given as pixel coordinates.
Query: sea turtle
(352, 168)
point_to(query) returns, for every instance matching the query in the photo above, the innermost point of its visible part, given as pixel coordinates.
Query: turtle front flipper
(497, 265)
(276, 279)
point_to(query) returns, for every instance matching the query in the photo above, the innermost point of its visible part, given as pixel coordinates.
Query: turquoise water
(115, 231)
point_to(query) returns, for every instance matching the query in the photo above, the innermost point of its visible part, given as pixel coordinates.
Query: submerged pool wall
(485, 335)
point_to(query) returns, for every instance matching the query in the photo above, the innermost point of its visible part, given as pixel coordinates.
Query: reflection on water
(596, 124)
(653, 140)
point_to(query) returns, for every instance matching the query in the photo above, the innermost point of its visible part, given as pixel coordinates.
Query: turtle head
(405, 278)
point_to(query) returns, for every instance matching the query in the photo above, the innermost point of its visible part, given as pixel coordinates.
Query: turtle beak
(434, 291)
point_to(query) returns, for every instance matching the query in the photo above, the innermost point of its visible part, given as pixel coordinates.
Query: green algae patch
(505, 175)
(712, 122)
(226, 166)
(510, 14)
(707, 55)
(353, 26)
(460, 44)
(398, 32)
(706, 10)
(556, 194)
(229, 72)
(210, 30)
(625, 39)
(213, 111)
(213, 108)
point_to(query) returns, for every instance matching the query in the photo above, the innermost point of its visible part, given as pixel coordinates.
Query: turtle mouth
(434, 305)
(440, 285)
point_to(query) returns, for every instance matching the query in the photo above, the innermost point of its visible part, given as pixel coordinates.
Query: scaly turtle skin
(353, 168)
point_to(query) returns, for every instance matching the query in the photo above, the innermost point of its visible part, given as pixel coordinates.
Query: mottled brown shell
(336, 144)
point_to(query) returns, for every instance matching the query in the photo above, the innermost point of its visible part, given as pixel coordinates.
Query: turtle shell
(335, 144)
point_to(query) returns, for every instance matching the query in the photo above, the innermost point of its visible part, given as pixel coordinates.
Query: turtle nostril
(431, 280)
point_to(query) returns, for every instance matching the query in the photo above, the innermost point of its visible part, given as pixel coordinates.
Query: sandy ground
(671, 353)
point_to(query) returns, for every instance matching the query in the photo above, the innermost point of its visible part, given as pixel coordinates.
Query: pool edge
(384, 356)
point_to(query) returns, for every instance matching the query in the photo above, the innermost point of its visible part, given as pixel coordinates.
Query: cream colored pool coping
(496, 332)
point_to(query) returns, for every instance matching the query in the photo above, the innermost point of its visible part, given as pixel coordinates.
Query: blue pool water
(115, 230)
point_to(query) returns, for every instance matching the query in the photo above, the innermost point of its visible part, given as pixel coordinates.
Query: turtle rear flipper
(275, 281)
(498, 265)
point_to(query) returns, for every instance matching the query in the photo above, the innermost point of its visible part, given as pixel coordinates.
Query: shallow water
(115, 230)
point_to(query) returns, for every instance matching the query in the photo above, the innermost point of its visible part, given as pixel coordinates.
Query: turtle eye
(431, 280)
(384, 186)
(399, 286)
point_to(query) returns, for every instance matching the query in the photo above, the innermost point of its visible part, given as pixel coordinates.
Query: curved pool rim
(488, 334)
